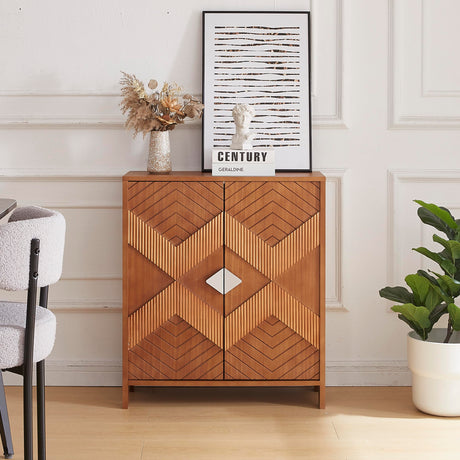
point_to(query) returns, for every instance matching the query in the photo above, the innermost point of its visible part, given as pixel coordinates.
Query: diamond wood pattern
(175, 260)
(153, 281)
(252, 281)
(195, 280)
(175, 210)
(275, 333)
(175, 238)
(272, 351)
(271, 260)
(175, 300)
(271, 301)
(286, 206)
(175, 351)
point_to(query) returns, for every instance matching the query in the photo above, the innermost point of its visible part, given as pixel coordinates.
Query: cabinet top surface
(206, 176)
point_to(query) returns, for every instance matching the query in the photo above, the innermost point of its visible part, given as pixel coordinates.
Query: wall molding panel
(60, 109)
(327, 61)
(88, 298)
(86, 109)
(334, 258)
(430, 63)
(422, 92)
(439, 186)
(92, 207)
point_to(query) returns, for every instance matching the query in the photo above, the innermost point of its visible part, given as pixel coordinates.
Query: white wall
(386, 119)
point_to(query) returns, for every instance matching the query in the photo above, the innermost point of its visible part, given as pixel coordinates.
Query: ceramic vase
(159, 159)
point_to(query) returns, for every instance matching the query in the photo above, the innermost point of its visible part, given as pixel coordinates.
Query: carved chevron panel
(175, 351)
(272, 210)
(175, 209)
(175, 260)
(175, 300)
(275, 228)
(271, 351)
(175, 242)
(272, 260)
(272, 301)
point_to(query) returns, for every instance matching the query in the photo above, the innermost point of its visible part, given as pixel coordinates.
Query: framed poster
(261, 59)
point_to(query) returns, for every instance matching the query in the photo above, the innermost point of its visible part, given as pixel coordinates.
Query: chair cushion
(24, 225)
(12, 331)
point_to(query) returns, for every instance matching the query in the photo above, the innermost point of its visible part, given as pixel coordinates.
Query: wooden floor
(228, 423)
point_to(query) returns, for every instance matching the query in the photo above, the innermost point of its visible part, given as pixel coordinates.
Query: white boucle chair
(31, 254)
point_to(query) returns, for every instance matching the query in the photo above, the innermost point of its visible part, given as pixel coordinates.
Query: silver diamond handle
(223, 281)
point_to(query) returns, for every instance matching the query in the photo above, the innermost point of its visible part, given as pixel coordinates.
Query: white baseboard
(108, 373)
(367, 373)
(77, 373)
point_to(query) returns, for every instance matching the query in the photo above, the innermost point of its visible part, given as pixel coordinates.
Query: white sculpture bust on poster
(242, 115)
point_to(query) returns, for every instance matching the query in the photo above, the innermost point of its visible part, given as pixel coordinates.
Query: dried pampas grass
(158, 110)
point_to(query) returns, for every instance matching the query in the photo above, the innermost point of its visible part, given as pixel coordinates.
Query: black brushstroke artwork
(260, 66)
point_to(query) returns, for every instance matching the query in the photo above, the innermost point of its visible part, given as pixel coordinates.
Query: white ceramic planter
(435, 368)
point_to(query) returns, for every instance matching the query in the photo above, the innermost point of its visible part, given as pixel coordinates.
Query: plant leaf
(457, 267)
(419, 316)
(425, 294)
(443, 284)
(455, 248)
(426, 275)
(457, 237)
(420, 332)
(397, 294)
(454, 315)
(437, 312)
(441, 213)
(443, 242)
(430, 219)
(450, 286)
(447, 265)
(452, 247)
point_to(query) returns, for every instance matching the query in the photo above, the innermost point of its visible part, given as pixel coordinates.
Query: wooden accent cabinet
(180, 327)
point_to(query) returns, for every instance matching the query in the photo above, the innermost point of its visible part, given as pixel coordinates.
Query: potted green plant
(433, 353)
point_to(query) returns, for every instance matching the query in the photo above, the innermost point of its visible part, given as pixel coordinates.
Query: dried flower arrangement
(159, 110)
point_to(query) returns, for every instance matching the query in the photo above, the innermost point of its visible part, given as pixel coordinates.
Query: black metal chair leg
(29, 349)
(41, 428)
(28, 414)
(5, 431)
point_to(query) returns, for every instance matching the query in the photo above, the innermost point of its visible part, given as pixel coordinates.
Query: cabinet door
(175, 243)
(272, 244)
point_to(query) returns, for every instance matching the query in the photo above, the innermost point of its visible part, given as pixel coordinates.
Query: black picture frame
(239, 41)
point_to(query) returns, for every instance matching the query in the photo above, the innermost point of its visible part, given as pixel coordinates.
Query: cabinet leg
(321, 396)
(125, 397)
